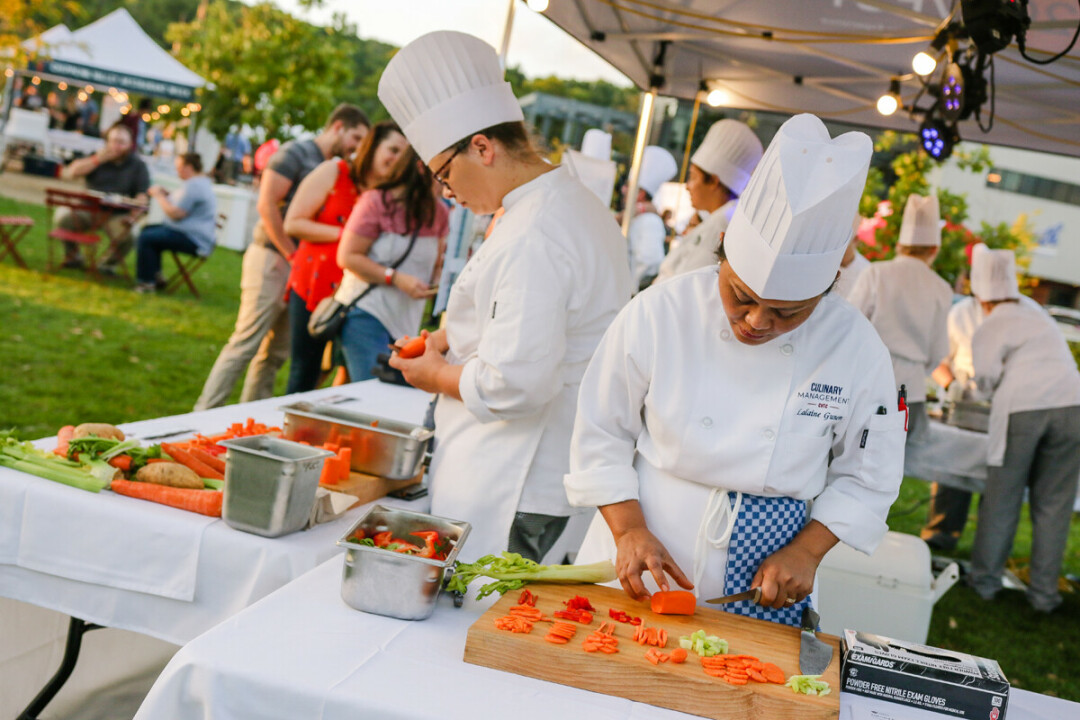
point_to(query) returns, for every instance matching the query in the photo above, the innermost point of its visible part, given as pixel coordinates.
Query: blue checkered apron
(763, 526)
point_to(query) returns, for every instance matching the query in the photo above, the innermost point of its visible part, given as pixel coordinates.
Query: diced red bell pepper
(527, 598)
(579, 602)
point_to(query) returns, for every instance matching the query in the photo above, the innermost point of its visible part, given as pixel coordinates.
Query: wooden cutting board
(367, 488)
(628, 674)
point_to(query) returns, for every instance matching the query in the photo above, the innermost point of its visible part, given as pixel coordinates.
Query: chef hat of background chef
(993, 274)
(792, 225)
(922, 222)
(443, 87)
(657, 167)
(730, 151)
(596, 144)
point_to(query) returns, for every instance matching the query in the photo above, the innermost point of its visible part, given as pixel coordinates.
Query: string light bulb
(716, 98)
(888, 103)
(923, 63)
(537, 5)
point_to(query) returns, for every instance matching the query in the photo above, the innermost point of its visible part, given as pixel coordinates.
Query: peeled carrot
(63, 438)
(208, 459)
(413, 349)
(673, 602)
(188, 460)
(204, 502)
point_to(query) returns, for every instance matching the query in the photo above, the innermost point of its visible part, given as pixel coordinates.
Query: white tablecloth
(90, 566)
(951, 456)
(235, 203)
(303, 653)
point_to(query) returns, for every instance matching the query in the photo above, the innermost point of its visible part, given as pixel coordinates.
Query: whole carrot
(187, 459)
(204, 502)
(208, 459)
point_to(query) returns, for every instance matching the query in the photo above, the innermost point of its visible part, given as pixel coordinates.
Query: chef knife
(753, 594)
(814, 655)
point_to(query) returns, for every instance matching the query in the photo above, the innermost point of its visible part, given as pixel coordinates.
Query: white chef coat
(908, 304)
(646, 243)
(850, 275)
(523, 318)
(697, 248)
(965, 316)
(1021, 359)
(673, 406)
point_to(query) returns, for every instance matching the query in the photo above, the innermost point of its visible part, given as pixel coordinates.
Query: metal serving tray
(969, 415)
(384, 582)
(270, 484)
(387, 448)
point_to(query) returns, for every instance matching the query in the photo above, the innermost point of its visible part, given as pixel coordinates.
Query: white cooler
(890, 593)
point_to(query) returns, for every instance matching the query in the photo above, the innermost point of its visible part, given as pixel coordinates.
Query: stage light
(937, 138)
(952, 93)
(991, 24)
(537, 5)
(888, 103)
(923, 64)
(716, 98)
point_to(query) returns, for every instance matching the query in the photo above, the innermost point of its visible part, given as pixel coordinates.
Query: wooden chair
(76, 202)
(12, 229)
(187, 265)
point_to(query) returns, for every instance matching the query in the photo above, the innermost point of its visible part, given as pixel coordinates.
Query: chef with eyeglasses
(738, 421)
(525, 314)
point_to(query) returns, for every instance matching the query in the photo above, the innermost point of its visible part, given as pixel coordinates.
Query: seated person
(189, 227)
(114, 169)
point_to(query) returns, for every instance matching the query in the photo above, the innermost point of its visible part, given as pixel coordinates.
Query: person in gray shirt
(190, 223)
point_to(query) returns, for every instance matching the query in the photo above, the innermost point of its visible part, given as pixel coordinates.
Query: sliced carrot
(736, 681)
(756, 676)
(557, 639)
(678, 655)
(204, 502)
(673, 602)
(773, 673)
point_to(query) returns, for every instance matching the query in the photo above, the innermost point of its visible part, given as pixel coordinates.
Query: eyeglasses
(458, 149)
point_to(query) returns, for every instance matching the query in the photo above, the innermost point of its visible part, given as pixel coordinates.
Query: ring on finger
(790, 601)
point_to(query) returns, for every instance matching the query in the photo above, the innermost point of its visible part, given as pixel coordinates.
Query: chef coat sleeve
(864, 476)
(864, 294)
(646, 246)
(939, 337)
(519, 364)
(609, 416)
(988, 353)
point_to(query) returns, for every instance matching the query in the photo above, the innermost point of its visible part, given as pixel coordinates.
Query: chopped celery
(704, 645)
(808, 685)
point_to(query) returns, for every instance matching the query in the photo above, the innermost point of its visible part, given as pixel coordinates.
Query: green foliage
(597, 92)
(269, 68)
(901, 170)
(23, 19)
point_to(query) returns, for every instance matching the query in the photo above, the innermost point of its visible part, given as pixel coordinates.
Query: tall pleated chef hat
(922, 222)
(443, 87)
(657, 167)
(596, 144)
(993, 274)
(792, 225)
(730, 151)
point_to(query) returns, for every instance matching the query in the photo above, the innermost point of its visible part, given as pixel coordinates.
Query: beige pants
(260, 341)
(80, 221)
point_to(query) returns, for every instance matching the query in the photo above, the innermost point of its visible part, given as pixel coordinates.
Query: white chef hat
(792, 225)
(596, 144)
(657, 167)
(730, 151)
(993, 274)
(444, 86)
(922, 222)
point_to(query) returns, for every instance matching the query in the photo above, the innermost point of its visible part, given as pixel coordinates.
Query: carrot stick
(208, 459)
(187, 459)
(204, 502)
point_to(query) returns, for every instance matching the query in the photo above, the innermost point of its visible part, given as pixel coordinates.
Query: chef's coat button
(787, 348)
(769, 434)
(725, 334)
(706, 422)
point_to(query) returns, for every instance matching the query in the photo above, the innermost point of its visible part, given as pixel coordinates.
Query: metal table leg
(76, 629)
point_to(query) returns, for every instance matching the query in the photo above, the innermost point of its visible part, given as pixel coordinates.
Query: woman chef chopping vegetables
(724, 401)
(528, 309)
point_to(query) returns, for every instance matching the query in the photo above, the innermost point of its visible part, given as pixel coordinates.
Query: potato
(101, 430)
(171, 474)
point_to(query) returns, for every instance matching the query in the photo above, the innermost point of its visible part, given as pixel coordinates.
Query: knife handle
(810, 619)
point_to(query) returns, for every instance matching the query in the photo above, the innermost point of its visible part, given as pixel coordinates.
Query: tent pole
(506, 34)
(192, 130)
(690, 138)
(648, 102)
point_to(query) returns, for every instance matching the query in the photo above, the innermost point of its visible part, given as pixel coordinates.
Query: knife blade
(753, 594)
(814, 655)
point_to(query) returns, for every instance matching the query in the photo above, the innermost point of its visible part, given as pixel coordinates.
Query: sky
(537, 45)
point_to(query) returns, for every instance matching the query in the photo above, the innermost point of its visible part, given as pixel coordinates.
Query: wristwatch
(389, 275)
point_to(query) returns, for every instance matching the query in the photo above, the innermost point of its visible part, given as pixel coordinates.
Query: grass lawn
(76, 350)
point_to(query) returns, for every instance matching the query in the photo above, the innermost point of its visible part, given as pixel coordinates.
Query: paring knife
(753, 594)
(814, 655)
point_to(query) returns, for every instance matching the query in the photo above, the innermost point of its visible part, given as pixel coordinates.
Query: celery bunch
(512, 572)
(23, 456)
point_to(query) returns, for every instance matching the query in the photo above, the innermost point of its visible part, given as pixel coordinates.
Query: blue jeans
(305, 353)
(154, 240)
(363, 339)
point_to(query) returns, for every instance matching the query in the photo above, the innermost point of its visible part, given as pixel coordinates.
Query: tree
(24, 19)
(269, 69)
(903, 173)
